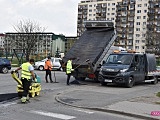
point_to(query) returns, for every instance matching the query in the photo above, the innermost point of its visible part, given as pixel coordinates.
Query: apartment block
(95, 10)
(129, 18)
(131, 24)
(69, 41)
(45, 43)
(153, 27)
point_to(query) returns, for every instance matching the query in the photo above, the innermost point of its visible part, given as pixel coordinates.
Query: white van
(39, 65)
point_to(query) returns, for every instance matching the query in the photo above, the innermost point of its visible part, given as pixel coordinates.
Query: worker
(27, 74)
(69, 69)
(48, 67)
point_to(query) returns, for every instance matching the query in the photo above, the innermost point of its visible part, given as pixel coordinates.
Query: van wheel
(41, 68)
(130, 82)
(155, 80)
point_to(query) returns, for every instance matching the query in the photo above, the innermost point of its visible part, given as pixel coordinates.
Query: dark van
(128, 68)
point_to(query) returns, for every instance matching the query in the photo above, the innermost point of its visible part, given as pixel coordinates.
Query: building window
(90, 5)
(137, 41)
(108, 4)
(90, 10)
(138, 11)
(113, 4)
(145, 11)
(145, 5)
(113, 8)
(138, 23)
(144, 23)
(138, 17)
(143, 35)
(137, 47)
(112, 13)
(139, 5)
(108, 13)
(143, 41)
(137, 29)
(137, 35)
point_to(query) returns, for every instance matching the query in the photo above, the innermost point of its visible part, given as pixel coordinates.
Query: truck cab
(126, 68)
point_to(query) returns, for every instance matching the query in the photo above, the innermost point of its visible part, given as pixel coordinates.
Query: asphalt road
(45, 107)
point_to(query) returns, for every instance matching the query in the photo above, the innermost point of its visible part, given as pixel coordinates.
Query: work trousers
(48, 72)
(26, 84)
(68, 78)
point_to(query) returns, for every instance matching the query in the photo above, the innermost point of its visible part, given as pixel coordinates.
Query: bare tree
(29, 34)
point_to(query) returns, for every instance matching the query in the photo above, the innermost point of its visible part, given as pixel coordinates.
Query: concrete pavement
(96, 100)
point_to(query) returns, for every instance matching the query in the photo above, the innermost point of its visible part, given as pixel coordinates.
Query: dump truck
(90, 49)
(129, 68)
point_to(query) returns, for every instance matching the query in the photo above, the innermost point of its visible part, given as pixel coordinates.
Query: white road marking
(55, 115)
(85, 111)
(7, 104)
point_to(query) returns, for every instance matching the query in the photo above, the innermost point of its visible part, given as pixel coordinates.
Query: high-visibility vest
(25, 71)
(48, 65)
(69, 67)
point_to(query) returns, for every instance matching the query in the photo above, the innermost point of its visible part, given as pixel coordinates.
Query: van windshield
(124, 59)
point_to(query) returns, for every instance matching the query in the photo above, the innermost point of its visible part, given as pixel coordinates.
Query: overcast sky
(58, 16)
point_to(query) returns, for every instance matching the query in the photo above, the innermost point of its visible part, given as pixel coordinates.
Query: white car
(39, 65)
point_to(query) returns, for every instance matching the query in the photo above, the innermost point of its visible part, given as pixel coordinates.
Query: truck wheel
(130, 82)
(155, 80)
(41, 68)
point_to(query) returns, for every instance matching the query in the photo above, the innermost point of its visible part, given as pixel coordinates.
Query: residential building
(45, 43)
(131, 24)
(153, 27)
(95, 10)
(129, 18)
(69, 41)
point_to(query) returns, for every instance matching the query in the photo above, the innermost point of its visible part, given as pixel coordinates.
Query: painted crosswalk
(54, 115)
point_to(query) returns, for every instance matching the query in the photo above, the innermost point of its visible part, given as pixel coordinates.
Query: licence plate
(106, 80)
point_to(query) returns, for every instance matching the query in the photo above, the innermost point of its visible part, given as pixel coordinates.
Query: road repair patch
(7, 96)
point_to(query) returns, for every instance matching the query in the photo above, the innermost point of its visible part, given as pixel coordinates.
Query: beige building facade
(129, 18)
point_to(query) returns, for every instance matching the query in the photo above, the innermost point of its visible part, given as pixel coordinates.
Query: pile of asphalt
(7, 96)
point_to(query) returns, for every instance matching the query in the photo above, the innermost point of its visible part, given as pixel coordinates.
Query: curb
(105, 110)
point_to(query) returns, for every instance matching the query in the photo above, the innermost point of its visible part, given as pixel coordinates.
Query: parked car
(39, 65)
(5, 65)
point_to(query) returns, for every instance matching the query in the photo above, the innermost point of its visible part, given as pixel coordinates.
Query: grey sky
(58, 16)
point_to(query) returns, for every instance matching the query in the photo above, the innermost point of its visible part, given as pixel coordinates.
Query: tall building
(153, 27)
(95, 10)
(129, 18)
(131, 24)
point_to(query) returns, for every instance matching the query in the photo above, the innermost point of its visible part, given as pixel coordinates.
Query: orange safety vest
(48, 65)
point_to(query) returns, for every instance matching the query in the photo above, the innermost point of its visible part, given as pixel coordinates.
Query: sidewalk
(87, 99)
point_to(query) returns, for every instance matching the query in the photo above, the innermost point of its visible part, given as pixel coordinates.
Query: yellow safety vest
(69, 67)
(25, 71)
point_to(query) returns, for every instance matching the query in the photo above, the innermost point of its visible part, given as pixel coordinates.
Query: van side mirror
(103, 62)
